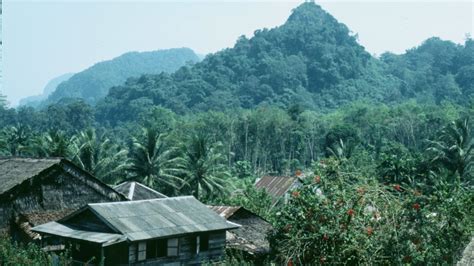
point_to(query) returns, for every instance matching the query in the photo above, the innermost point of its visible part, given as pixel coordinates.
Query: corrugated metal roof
(54, 228)
(14, 171)
(225, 211)
(146, 219)
(276, 186)
(137, 191)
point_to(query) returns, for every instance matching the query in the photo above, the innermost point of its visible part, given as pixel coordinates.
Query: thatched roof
(251, 236)
(276, 186)
(137, 191)
(145, 219)
(14, 171)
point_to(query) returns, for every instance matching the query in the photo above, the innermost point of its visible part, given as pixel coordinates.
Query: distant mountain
(93, 83)
(35, 100)
(311, 61)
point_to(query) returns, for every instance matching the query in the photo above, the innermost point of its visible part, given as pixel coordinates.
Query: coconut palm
(153, 163)
(17, 139)
(454, 149)
(99, 156)
(52, 144)
(205, 167)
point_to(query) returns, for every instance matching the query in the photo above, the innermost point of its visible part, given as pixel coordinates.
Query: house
(278, 186)
(137, 191)
(250, 238)
(166, 231)
(35, 191)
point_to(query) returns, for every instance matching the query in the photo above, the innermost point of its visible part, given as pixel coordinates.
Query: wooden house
(137, 191)
(166, 231)
(278, 187)
(251, 238)
(36, 191)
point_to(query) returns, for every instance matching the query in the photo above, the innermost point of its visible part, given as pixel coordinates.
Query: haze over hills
(50, 87)
(312, 60)
(93, 83)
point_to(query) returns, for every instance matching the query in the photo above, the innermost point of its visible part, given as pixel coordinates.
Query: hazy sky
(44, 39)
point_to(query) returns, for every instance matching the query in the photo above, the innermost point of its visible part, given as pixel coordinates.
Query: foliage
(346, 217)
(12, 253)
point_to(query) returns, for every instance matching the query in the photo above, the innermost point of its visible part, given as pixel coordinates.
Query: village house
(36, 191)
(278, 187)
(166, 231)
(251, 238)
(137, 191)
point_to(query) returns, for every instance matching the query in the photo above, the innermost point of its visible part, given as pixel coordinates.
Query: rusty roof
(225, 211)
(137, 191)
(276, 186)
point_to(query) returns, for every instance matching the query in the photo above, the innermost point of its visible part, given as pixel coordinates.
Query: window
(151, 249)
(141, 251)
(172, 247)
(132, 252)
(161, 247)
(203, 243)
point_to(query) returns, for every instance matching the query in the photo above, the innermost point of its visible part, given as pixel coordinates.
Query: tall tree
(153, 163)
(205, 167)
(454, 149)
(99, 156)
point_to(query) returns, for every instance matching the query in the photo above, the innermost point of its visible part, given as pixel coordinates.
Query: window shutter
(141, 251)
(132, 252)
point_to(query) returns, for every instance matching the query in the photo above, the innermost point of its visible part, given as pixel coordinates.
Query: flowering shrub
(343, 217)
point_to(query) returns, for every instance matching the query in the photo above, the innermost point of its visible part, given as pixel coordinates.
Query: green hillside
(93, 83)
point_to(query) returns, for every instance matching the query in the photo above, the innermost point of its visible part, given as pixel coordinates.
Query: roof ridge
(138, 201)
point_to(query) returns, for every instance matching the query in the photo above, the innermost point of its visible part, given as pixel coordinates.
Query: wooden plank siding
(187, 253)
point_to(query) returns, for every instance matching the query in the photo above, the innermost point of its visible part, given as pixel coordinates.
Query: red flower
(295, 194)
(290, 262)
(361, 191)
(397, 187)
(350, 212)
(370, 230)
(416, 206)
(325, 237)
(298, 172)
(317, 179)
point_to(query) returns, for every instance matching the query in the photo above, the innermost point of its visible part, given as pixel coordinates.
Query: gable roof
(14, 171)
(276, 186)
(148, 219)
(137, 191)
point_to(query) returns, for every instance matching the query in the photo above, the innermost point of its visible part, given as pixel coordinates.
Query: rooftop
(276, 186)
(14, 171)
(137, 191)
(148, 219)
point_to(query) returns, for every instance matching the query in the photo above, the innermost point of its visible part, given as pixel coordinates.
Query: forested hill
(35, 100)
(312, 60)
(93, 83)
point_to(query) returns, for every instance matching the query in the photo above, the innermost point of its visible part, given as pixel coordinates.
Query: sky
(45, 39)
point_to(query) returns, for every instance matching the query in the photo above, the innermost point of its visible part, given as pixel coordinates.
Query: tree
(55, 143)
(205, 167)
(454, 149)
(153, 163)
(99, 156)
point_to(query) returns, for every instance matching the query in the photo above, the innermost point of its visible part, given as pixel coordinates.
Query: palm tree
(17, 139)
(454, 149)
(99, 156)
(205, 167)
(52, 144)
(153, 163)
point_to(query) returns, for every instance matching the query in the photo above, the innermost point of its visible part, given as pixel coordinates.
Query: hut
(137, 191)
(251, 238)
(171, 231)
(278, 186)
(36, 191)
